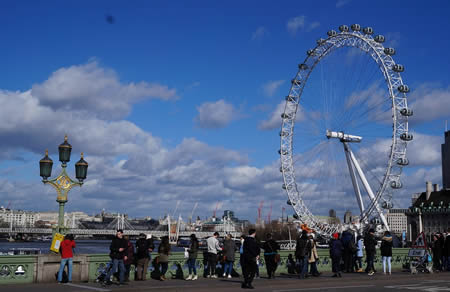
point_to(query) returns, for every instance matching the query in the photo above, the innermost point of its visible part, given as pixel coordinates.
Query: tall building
(348, 217)
(397, 220)
(445, 152)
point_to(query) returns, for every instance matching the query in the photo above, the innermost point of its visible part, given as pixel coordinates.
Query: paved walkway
(399, 281)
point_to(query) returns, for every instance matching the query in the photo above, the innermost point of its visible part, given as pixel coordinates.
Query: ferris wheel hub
(343, 137)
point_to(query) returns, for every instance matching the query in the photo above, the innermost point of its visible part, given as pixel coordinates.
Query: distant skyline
(180, 101)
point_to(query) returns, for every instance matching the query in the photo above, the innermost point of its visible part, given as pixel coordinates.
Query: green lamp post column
(62, 183)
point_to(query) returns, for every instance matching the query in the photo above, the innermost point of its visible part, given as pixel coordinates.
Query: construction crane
(259, 212)
(215, 209)
(176, 208)
(270, 214)
(192, 213)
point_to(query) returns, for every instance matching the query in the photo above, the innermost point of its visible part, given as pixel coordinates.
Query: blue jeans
(228, 267)
(61, 269)
(117, 264)
(191, 266)
(304, 267)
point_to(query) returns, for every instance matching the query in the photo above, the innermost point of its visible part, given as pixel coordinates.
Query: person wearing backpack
(66, 257)
(271, 255)
(143, 248)
(386, 251)
(302, 250)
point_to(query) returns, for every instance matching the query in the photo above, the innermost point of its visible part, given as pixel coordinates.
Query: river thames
(83, 246)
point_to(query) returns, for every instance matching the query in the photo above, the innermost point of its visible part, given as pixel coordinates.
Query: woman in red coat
(66, 257)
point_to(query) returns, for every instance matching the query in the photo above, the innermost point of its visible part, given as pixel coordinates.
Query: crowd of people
(346, 253)
(440, 247)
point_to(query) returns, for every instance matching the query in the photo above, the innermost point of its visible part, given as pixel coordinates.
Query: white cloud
(424, 150)
(274, 120)
(92, 89)
(260, 33)
(215, 114)
(271, 87)
(313, 25)
(295, 23)
(299, 23)
(429, 102)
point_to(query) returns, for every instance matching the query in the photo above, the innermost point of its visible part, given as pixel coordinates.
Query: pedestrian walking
(359, 254)
(241, 251)
(163, 257)
(443, 258)
(118, 249)
(446, 250)
(302, 253)
(386, 251)
(229, 249)
(336, 250)
(349, 248)
(437, 249)
(144, 247)
(250, 256)
(213, 249)
(192, 258)
(370, 244)
(314, 256)
(271, 256)
(129, 259)
(66, 250)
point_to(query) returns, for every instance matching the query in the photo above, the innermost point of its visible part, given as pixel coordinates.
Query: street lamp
(62, 183)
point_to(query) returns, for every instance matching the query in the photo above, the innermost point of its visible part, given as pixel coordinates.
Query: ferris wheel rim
(383, 58)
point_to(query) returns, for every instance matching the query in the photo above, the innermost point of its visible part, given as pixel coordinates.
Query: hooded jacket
(386, 246)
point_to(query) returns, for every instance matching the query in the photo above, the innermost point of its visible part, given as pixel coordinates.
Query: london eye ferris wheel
(345, 130)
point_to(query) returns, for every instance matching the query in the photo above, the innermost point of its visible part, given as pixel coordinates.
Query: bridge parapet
(42, 268)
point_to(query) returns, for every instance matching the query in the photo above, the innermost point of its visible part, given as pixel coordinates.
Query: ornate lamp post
(62, 183)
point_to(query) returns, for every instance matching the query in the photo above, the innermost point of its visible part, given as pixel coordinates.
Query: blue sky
(176, 101)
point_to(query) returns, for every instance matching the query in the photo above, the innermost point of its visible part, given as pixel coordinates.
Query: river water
(83, 246)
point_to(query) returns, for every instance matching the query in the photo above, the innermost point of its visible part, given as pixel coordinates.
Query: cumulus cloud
(260, 33)
(124, 160)
(295, 23)
(424, 150)
(429, 102)
(271, 87)
(299, 23)
(96, 90)
(213, 115)
(274, 120)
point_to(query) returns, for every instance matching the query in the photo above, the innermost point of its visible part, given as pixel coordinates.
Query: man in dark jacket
(144, 247)
(301, 253)
(447, 251)
(118, 250)
(250, 254)
(336, 250)
(370, 244)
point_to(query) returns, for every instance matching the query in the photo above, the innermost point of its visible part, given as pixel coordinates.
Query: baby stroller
(421, 264)
(103, 269)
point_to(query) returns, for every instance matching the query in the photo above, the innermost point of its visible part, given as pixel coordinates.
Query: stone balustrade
(86, 268)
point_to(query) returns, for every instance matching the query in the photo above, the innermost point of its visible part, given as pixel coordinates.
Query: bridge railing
(42, 268)
(76, 231)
